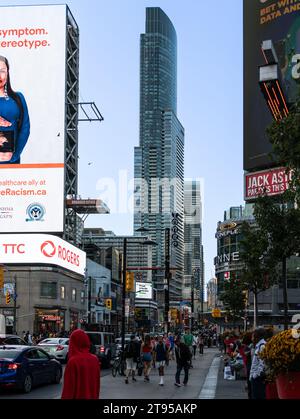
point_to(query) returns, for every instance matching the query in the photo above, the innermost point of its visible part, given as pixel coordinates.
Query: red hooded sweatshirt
(82, 373)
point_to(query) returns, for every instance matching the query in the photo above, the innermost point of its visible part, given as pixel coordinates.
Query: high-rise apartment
(159, 159)
(193, 248)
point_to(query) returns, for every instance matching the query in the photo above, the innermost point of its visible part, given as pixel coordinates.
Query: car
(58, 347)
(7, 339)
(24, 367)
(102, 345)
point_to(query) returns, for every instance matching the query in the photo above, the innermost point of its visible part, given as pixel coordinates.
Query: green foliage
(284, 135)
(233, 298)
(279, 221)
(259, 271)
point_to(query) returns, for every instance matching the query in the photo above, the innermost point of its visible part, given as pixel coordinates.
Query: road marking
(208, 390)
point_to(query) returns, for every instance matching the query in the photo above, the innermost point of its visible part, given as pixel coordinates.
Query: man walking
(188, 339)
(131, 356)
(161, 353)
(183, 358)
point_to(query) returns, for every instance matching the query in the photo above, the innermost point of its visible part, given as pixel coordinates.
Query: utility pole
(15, 304)
(89, 300)
(124, 292)
(192, 301)
(167, 277)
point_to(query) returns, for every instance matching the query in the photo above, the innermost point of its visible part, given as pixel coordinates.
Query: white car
(57, 347)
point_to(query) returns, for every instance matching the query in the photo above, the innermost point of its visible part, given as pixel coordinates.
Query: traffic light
(108, 303)
(129, 281)
(1, 278)
(7, 297)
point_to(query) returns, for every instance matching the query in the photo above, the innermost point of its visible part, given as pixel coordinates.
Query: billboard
(32, 118)
(266, 182)
(41, 249)
(278, 22)
(143, 290)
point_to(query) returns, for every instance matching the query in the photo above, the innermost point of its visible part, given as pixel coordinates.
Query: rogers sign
(43, 249)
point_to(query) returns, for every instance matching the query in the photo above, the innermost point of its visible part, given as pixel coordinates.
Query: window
(74, 292)
(42, 355)
(49, 290)
(82, 297)
(62, 292)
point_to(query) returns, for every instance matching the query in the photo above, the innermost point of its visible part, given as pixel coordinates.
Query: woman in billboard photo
(14, 118)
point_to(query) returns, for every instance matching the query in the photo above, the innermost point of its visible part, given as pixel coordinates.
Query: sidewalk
(227, 389)
(115, 388)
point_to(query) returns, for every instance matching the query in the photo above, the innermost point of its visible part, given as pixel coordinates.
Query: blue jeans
(186, 373)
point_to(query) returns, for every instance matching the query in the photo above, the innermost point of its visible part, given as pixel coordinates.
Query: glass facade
(159, 159)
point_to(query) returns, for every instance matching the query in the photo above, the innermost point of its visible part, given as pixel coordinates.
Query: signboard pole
(15, 304)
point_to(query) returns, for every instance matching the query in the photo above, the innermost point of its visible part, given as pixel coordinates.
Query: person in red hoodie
(82, 373)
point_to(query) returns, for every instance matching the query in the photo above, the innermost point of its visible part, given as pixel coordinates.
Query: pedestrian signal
(108, 303)
(129, 281)
(7, 297)
(1, 278)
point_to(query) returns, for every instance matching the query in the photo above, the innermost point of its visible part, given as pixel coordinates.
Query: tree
(284, 135)
(259, 271)
(279, 220)
(233, 298)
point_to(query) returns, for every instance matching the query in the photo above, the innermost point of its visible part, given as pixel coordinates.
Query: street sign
(216, 312)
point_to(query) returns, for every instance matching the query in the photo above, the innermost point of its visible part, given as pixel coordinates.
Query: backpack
(129, 350)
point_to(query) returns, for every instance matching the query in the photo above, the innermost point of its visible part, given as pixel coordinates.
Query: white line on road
(208, 390)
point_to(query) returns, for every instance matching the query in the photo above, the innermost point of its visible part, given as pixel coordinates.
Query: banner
(32, 118)
(278, 22)
(266, 182)
(39, 249)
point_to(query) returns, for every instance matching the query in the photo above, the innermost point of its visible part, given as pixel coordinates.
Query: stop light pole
(124, 291)
(167, 277)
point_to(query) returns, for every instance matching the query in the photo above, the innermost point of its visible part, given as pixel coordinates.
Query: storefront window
(82, 297)
(74, 295)
(49, 290)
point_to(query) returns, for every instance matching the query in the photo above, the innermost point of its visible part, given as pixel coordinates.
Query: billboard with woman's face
(32, 118)
(279, 22)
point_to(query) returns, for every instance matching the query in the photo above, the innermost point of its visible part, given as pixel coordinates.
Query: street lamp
(124, 268)
(195, 270)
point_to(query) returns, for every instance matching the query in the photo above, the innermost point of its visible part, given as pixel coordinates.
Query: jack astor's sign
(267, 182)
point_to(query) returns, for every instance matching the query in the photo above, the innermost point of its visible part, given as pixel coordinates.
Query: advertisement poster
(32, 118)
(279, 22)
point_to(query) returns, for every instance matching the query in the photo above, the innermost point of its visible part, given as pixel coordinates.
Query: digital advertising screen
(32, 118)
(278, 22)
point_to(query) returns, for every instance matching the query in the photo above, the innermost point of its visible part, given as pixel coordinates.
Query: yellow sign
(129, 281)
(216, 312)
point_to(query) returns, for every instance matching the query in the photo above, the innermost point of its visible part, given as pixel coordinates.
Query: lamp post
(195, 271)
(192, 301)
(167, 278)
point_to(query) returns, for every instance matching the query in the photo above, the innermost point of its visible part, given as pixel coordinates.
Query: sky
(209, 102)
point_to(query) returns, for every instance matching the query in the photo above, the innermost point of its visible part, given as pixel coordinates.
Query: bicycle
(119, 365)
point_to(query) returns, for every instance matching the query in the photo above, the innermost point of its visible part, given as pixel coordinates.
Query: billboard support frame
(71, 116)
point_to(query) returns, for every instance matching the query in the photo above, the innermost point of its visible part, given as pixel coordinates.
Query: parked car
(23, 367)
(6, 339)
(58, 347)
(103, 345)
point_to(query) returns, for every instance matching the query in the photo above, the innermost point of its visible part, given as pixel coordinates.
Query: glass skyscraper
(159, 159)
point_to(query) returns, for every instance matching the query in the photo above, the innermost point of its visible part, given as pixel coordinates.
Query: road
(50, 391)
